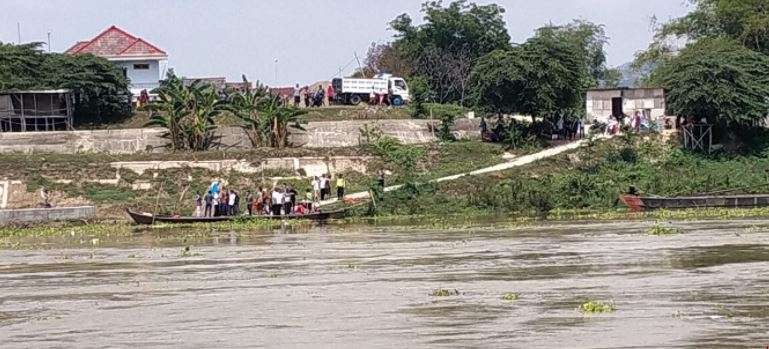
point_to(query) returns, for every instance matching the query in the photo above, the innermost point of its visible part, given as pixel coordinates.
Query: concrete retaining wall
(31, 215)
(311, 166)
(130, 141)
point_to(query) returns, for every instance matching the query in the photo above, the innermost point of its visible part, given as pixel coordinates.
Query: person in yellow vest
(340, 183)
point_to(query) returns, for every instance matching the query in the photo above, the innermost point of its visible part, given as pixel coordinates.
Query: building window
(141, 66)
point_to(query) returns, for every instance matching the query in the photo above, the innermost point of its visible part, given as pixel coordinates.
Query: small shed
(617, 102)
(36, 110)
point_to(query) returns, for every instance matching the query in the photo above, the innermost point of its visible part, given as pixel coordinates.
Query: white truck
(353, 91)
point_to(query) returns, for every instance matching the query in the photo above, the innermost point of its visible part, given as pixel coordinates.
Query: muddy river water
(364, 287)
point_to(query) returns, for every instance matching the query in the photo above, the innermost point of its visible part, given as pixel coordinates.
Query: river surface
(371, 287)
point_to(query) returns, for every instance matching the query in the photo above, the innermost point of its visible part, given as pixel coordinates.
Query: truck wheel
(355, 99)
(397, 101)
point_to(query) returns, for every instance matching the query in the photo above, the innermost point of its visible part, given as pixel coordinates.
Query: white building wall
(142, 78)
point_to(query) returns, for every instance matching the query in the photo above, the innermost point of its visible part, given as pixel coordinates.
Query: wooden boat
(149, 219)
(641, 203)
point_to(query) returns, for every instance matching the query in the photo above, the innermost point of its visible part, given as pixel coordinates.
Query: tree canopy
(745, 21)
(718, 79)
(443, 49)
(542, 77)
(100, 88)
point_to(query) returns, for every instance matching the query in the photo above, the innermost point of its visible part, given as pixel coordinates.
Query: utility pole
(18, 31)
(49, 41)
(360, 68)
(276, 72)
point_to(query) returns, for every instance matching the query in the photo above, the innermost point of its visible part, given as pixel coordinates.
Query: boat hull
(637, 203)
(149, 219)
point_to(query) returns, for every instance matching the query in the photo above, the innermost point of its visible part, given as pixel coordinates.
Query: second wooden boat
(641, 203)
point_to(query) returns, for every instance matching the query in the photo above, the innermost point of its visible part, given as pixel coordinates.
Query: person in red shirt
(330, 95)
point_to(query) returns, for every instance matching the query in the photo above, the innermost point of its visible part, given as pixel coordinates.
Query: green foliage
(591, 39)
(746, 21)
(443, 48)
(447, 114)
(188, 113)
(99, 87)
(265, 119)
(420, 94)
(543, 77)
(717, 79)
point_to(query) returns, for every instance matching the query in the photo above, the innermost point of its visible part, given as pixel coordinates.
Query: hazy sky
(311, 39)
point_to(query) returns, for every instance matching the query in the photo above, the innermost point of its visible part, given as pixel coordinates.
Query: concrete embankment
(36, 215)
(316, 135)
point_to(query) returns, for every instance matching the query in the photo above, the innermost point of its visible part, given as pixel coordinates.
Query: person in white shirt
(232, 200)
(277, 201)
(316, 189)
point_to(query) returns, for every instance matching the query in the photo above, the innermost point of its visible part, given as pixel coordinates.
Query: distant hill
(632, 77)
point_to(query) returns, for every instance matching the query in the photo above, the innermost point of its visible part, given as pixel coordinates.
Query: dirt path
(515, 162)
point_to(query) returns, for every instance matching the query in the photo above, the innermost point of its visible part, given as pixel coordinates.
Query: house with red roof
(143, 63)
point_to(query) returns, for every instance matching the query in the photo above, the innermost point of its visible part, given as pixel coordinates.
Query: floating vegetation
(659, 229)
(595, 307)
(510, 297)
(441, 292)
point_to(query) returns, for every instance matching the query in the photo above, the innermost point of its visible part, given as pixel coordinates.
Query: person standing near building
(306, 96)
(340, 184)
(330, 94)
(297, 95)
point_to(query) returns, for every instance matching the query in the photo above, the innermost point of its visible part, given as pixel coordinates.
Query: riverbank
(91, 234)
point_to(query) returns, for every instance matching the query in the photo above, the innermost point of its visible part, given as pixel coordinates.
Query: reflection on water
(371, 287)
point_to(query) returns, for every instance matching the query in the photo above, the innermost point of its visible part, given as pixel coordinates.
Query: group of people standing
(313, 99)
(281, 200)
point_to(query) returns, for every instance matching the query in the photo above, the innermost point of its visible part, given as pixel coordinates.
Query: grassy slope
(588, 180)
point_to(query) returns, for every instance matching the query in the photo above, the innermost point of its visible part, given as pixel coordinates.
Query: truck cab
(399, 91)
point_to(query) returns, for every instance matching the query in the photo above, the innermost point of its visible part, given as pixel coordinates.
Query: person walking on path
(381, 179)
(340, 184)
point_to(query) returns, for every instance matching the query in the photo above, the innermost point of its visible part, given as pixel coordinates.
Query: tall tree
(591, 39)
(718, 79)
(745, 21)
(544, 77)
(444, 48)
